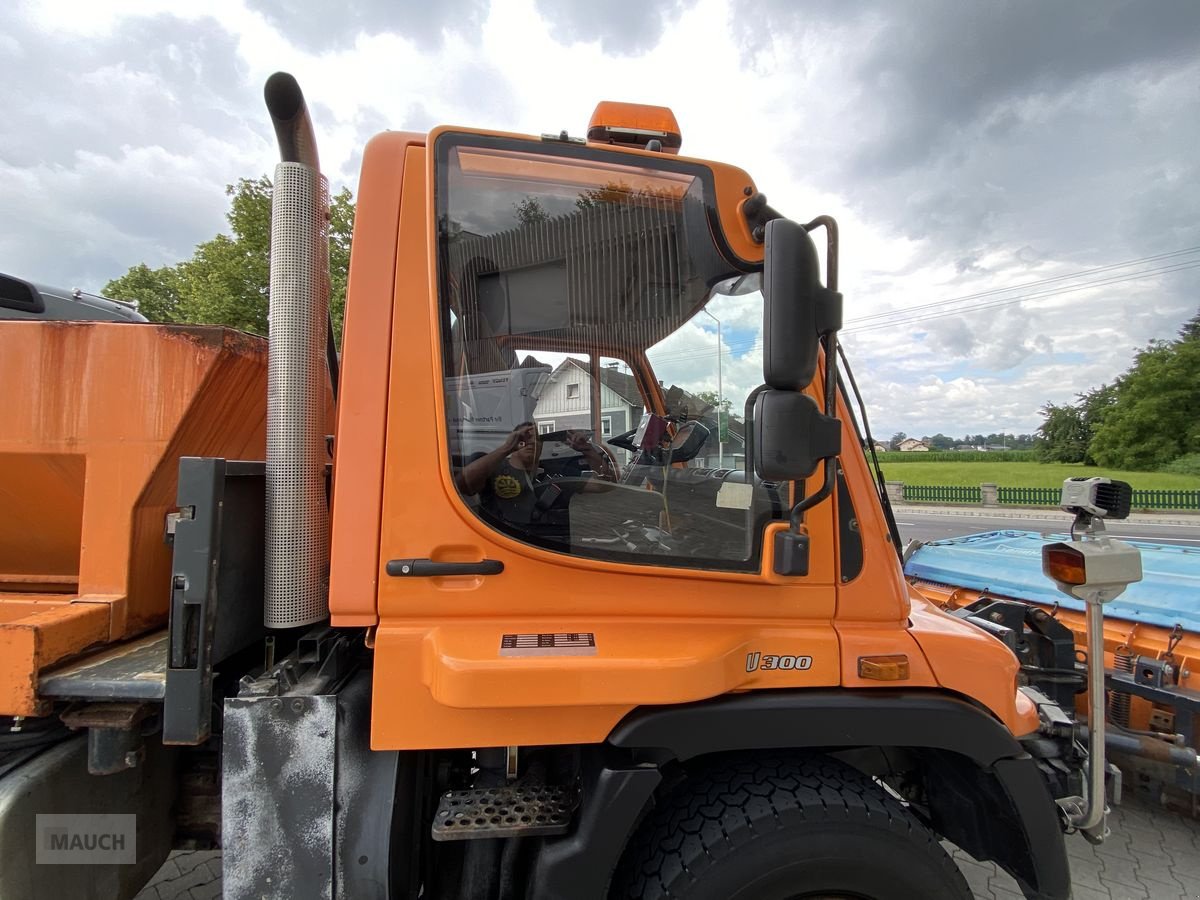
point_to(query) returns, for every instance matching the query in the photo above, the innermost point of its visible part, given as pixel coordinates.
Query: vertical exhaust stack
(297, 539)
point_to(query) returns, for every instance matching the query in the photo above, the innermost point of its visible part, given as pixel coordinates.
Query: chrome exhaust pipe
(297, 532)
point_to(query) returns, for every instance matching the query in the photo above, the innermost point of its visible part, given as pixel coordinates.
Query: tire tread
(730, 802)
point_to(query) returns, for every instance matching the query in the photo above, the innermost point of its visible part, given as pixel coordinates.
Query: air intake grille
(297, 552)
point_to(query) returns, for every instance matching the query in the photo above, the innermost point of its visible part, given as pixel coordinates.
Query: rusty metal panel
(96, 424)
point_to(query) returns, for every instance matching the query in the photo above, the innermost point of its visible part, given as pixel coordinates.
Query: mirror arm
(748, 419)
(829, 345)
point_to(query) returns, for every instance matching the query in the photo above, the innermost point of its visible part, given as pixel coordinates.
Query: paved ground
(1151, 855)
(936, 523)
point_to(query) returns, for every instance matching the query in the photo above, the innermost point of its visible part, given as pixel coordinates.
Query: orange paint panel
(40, 638)
(94, 438)
(362, 405)
(881, 639)
(636, 661)
(468, 688)
(878, 592)
(968, 661)
(46, 488)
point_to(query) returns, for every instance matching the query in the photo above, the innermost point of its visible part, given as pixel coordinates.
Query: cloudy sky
(1018, 184)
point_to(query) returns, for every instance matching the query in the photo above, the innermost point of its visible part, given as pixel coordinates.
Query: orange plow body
(96, 417)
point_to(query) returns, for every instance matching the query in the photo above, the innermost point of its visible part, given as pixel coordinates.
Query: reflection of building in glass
(566, 402)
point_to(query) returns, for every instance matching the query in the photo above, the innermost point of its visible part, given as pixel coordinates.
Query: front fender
(1027, 842)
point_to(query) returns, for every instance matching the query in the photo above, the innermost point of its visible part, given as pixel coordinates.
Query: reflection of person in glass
(513, 487)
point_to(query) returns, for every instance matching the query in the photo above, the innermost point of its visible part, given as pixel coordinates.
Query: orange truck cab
(568, 577)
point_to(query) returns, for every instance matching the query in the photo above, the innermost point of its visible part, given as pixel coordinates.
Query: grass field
(1027, 474)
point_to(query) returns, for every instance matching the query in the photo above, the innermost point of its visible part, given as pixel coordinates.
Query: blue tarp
(1009, 563)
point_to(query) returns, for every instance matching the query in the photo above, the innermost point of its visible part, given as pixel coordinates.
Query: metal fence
(1029, 496)
(1039, 496)
(942, 493)
(1166, 500)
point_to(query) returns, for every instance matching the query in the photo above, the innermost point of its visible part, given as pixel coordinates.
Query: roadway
(944, 522)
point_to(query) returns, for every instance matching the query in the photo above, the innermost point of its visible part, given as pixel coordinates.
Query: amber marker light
(883, 668)
(1064, 563)
(634, 125)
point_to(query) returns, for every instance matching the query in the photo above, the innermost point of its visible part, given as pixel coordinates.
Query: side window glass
(599, 352)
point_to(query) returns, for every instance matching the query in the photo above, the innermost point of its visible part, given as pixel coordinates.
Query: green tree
(724, 404)
(1191, 329)
(899, 436)
(155, 291)
(1062, 437)
(1093, 407)
(1154, 416)
(226, 280)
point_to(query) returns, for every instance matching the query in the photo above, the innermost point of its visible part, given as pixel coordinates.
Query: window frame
(443, 144)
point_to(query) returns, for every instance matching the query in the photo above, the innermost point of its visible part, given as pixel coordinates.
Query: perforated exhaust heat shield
(297, 551)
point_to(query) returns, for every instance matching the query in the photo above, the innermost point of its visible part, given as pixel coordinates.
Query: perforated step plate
(527, 810)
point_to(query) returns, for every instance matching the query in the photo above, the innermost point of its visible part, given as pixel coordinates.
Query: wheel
(771, 828)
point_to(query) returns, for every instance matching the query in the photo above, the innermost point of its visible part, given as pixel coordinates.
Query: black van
(21, 299)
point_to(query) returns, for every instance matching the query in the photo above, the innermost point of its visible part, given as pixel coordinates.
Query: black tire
(781, 828)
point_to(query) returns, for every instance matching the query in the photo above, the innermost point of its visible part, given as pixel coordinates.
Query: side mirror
(797, 308)
(791, 435)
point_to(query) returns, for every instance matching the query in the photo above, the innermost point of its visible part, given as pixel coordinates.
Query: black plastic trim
(763, 720)
(16, 293)
(579, 866)
(427, 568)
(1048, 875)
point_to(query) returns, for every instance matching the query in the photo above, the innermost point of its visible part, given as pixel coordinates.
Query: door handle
(427, 568)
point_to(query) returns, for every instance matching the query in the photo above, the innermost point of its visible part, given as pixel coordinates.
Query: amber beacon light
(635, 125)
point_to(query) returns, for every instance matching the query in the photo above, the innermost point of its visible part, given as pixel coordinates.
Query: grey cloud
(318, 26)
(623, 27)
(141, 85)
(117, 152)
(1004, 137)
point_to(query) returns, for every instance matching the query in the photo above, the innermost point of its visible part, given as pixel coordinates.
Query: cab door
(540, 573)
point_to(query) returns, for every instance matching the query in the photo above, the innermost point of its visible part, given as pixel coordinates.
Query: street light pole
(720, 393)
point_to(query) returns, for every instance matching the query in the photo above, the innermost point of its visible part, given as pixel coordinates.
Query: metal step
(526, 809)
(134, 670)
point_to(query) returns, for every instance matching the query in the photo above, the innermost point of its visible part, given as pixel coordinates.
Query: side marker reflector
(883, 668)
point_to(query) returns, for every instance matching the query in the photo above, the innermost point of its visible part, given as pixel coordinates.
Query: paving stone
(168, 870)
(1185, 864)
(1001, 882)
(1086, 874)
(1078, 848)
(1148, 846)
(1162, 886)
(1087, 893)
(978, 877)
(210, 891)
(1119, 871)
(1191, 886)
(188, 861)
(179, 887)
(1121, 891)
